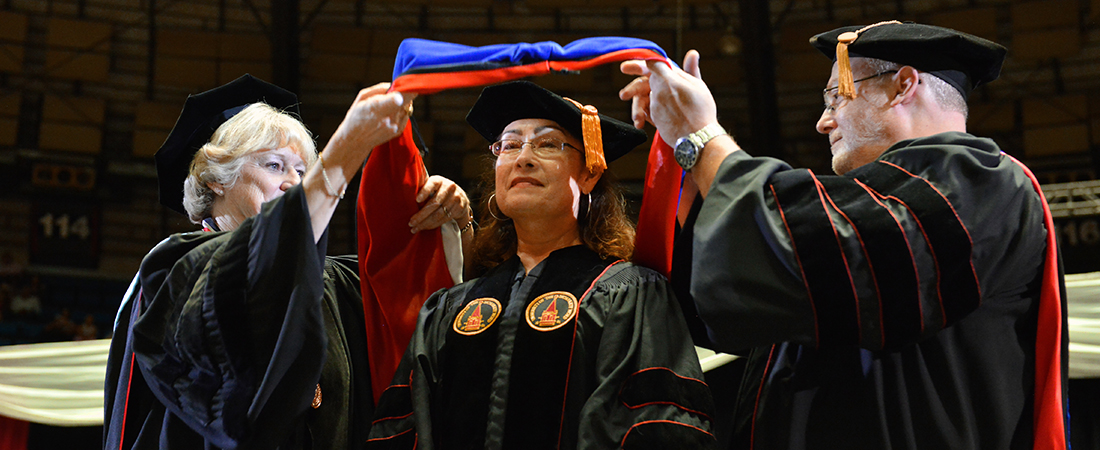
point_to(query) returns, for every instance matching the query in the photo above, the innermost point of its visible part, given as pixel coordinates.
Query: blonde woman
(247, 335)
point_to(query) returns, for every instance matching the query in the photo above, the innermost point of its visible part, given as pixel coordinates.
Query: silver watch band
(705, 134)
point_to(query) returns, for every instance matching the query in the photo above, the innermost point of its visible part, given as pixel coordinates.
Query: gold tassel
(846, 86)
(593, 138)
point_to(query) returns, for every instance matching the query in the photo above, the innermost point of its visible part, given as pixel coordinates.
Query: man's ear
(906, 83)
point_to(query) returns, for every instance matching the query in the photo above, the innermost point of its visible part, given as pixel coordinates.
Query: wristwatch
(688, 147)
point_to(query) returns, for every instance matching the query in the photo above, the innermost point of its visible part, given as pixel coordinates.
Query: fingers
(407, 102)
(377, 89)
(428, 189)
(634, 68)
(445, 201)
(691, 64)
(637, 91)
(407, 97)
(639, 111)
(389, 103)
(637, 87)
(660, 68)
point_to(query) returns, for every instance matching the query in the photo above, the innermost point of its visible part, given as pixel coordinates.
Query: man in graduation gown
(573, 350)
(912, 301)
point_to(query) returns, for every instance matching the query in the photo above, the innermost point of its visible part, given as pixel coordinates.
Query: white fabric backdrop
(58, 383)
(62, 383)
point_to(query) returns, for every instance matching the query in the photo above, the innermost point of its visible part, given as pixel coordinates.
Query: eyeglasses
(834, 101)
(546, 147)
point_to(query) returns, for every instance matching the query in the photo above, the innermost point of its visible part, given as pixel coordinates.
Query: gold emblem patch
(477, 316)
(551, 310)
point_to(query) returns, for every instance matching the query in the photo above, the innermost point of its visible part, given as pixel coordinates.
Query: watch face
(685, 153)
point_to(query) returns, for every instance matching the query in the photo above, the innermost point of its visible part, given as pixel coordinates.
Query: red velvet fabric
(397, 270)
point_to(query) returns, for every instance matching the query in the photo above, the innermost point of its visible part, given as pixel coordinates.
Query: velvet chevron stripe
(886, 252)
(823, 261)
(944, 231)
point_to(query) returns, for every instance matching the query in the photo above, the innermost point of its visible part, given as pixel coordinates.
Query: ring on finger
(445, 212)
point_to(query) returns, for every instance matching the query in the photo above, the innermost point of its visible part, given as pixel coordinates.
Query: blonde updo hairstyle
(257, 127)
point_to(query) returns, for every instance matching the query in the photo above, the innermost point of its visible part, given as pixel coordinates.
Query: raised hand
(675, 101)
(373, 118)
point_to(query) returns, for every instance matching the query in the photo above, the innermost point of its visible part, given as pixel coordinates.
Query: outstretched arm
(373, 118)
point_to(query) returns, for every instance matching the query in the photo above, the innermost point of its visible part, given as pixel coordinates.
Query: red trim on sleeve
(935, 260)
(677, 405)
(973, 271)
(391, 436)
(1049, 412)
(573, 346)
(916, 273)
(647, 369)
(870, 265)
(126, 406)
(805, 282)
(391, 418)
(621, 443)
(756, 405)
(823, 196)
(130, 379)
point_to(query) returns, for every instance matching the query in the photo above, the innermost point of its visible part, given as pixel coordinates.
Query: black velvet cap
(202, 115)
(502, 104)
(963, 60)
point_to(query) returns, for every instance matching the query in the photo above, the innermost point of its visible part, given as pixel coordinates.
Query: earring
(489, 205)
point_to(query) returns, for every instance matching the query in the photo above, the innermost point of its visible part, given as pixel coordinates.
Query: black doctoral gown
(894, 307)
(230, 337)
(577, 354)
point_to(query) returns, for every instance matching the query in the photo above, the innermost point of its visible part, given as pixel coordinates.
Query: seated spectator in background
(25, 304)
(87, 330)
(61, 328)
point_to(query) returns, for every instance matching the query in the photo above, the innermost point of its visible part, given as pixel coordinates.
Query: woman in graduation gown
(560, 343)
(247, 336)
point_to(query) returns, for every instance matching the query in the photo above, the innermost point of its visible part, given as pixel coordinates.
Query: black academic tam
(202, 114)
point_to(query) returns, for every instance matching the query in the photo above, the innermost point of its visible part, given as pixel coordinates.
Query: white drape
(62, 383)
(1083, 292)
(59, 383)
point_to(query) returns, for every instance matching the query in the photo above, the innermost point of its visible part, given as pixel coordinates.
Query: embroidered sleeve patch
(551, 310)
(477, 316)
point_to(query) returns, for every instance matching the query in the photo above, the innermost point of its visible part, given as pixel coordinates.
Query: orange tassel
(846, 87)
(593, 138)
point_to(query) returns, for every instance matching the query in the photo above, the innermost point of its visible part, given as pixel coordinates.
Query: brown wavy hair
(605, 228)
